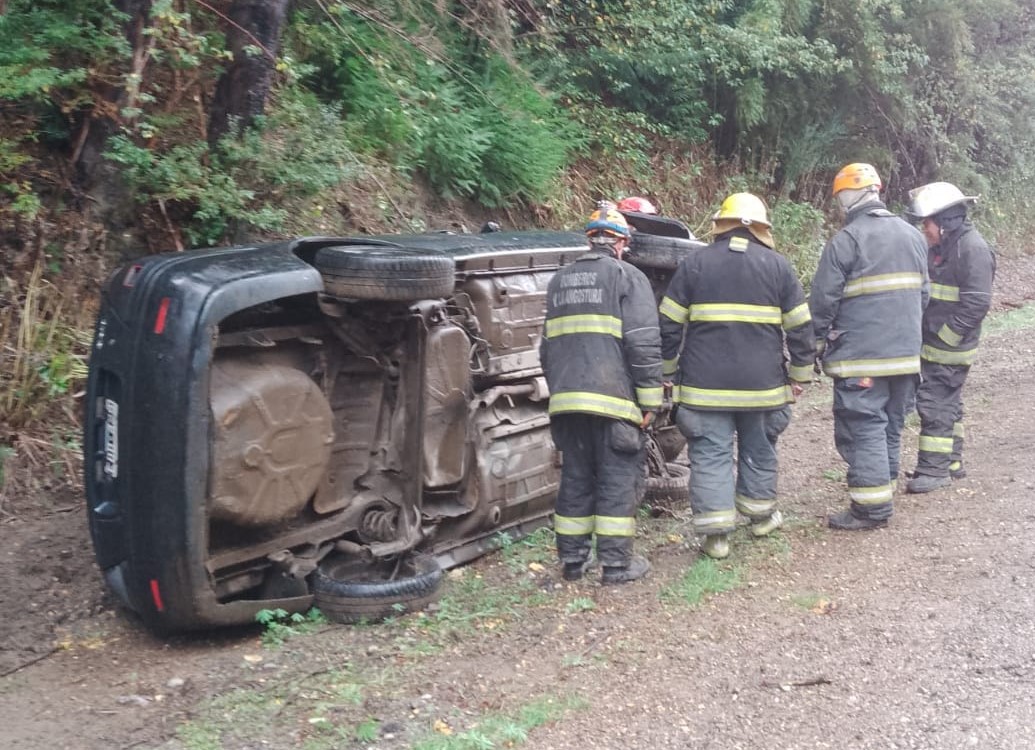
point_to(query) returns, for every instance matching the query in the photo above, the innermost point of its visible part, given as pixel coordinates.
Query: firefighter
(961, 267)
(724, 321)
(635, 204)
(602, 359)
(867, 300)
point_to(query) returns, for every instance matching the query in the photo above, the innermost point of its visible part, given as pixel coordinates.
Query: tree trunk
(94, 176)
(241, 92)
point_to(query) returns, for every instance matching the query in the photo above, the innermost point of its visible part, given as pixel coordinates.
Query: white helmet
(931, 199)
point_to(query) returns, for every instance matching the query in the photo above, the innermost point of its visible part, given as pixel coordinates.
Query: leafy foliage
(279, 625)
(492, 101)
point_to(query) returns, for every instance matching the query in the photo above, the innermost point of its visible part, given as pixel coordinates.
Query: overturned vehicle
(328, 421)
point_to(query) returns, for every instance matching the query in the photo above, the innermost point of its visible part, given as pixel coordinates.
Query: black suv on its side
(322, 420)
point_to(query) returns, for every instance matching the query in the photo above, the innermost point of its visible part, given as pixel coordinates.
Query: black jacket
(962, 268)
(601, 345)
(737, 301)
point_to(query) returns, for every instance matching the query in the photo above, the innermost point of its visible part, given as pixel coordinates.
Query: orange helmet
(637, 205)
(856, 176)
(607, 221)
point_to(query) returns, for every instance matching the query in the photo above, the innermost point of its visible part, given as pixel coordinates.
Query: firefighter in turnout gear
(961, 267)
(601, 354)
(724, 321)
(867, 301)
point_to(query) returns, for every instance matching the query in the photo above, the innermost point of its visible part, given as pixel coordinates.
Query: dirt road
(920, 635)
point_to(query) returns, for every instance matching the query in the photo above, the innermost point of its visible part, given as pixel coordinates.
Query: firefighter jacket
(961, 267)
(869, 294)
(601, 345)
(730, 306)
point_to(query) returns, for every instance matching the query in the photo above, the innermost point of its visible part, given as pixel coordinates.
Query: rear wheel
(670, 492)
(380, 273)
(348, 589)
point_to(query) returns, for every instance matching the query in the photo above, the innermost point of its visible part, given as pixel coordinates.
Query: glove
(821, 346)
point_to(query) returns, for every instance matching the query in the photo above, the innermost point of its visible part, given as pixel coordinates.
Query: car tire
(380, 273)
(350, 590)
(653, 251)
(667, 494)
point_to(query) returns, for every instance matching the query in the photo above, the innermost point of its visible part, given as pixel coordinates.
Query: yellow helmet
(856, 176)
(746, 208)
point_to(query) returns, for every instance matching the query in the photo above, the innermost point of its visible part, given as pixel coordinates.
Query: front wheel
(350, 590)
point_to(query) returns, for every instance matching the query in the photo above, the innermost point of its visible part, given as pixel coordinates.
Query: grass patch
(539, 547)
(1011, 320)
(471, 604)
(834, 475)
(581, 604)
(278, 625)
(322, 702)
(703, 578)
(499, 730)
(772, 546)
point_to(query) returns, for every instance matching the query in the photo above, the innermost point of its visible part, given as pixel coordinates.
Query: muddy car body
(267, 423)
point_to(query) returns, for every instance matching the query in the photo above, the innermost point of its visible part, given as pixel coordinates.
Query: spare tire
(350, 589)
(384, 273)
(667, 494)
(652, 251)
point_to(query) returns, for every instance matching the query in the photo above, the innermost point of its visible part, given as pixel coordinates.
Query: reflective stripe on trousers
(600, 487)
(717, 440)
(869, 414)
(939, 402)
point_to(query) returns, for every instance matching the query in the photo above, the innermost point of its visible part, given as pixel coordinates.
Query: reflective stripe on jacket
(962, 268)
(868, 296)
(737, 301)
(601, 344)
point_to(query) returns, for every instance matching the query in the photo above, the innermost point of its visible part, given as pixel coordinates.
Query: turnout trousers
(602, 481)
(869, 414)
(940, 404)
(715, 494)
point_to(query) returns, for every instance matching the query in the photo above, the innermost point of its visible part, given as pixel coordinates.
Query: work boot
(637, 568)
(956, 470)
(848, 521)
(574, 571)
(716, 546)
(926, 483)
(767, 526)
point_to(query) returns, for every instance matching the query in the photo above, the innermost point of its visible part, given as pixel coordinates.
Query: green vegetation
(703, 578)
(834, 475)
(278, 625)
(500, 730)
(384, 116)
(538, 547)
(504, 105)
(1011, 320)
(324, 702)
(581, 604)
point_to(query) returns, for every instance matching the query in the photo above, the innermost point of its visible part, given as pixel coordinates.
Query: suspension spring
(379, 525)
